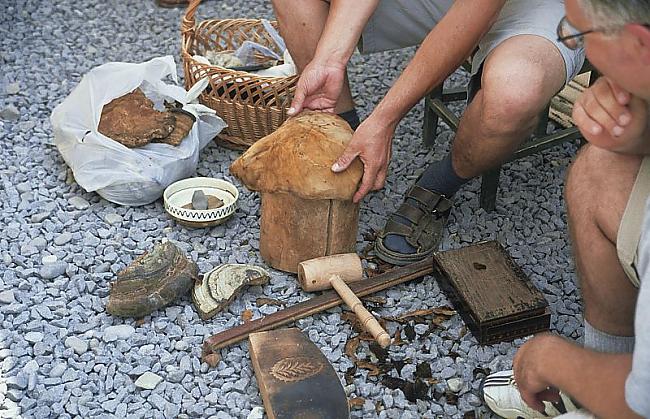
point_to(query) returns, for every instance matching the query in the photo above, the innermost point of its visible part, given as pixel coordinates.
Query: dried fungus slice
(152, 281)
(220, 286)
(132, 120)
(182, 127)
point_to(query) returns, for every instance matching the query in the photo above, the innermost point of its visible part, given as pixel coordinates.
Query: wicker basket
(251, 105)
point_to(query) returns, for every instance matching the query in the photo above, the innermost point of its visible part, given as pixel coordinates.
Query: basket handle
(188, 23)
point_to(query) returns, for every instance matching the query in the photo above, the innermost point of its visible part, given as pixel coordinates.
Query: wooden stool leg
(489, 187)
(430, 123)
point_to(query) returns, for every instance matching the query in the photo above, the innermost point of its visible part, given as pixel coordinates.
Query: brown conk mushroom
(297, 159)
(307, 209)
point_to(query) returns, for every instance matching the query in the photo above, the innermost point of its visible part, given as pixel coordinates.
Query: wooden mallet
(333, 272)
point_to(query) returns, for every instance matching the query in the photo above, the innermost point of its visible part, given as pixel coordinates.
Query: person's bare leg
(520, 77)
(597, 190)
(301, 24)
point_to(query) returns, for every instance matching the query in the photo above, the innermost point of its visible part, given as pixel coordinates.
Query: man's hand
(371, 142)
(613, 119)
(528, 364)
(318, 88)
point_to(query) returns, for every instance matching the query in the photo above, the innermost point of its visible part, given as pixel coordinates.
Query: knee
(513, 96)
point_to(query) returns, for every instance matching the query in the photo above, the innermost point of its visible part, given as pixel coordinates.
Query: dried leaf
(379, 406)
(374, 299)
(409, 331)
(349, 374)
(463, 331)
(423, 370)
(351, 318)
(393, 382)
(269, 301)
(374, 370)
(416, 390)
(356, 402)
(247, 315)
(378, 351)
(140, 322)
(351, 348)
(397, 337)
(212, 359)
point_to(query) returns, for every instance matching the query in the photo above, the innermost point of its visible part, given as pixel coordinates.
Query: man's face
(615, 53)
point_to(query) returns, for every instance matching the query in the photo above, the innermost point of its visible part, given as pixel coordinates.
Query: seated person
(606, 192)
(523, 68)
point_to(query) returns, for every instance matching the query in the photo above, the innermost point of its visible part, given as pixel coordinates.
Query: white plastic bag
(128, 176)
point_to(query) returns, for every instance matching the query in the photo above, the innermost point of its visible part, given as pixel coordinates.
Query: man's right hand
(371, 143)
(318, 88)
(613, 119)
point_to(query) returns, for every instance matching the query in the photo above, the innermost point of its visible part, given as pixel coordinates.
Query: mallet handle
(367, 320)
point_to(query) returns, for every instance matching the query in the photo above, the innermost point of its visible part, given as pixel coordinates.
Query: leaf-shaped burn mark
(295, 368)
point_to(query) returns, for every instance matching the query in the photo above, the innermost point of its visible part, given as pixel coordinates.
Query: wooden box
(497, 301)
(293, 229)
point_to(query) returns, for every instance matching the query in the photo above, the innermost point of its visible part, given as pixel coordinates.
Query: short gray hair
(618, 13)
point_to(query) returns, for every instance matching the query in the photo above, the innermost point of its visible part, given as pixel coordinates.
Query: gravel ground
(61, 355)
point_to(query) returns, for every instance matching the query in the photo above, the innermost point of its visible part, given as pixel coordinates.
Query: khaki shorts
(629, 233)
(402, 23)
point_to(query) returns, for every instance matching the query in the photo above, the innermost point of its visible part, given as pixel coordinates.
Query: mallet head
(315, 274)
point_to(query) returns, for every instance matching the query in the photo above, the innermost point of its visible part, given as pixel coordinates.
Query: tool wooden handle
(367, 320)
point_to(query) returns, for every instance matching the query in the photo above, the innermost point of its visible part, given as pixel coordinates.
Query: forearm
(342, 31)
(595, 380)
(450, 42)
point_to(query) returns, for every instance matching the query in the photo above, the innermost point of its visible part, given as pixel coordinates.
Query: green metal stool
(435, 109)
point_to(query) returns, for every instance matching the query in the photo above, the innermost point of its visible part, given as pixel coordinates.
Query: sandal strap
(398, 229)
(425, 231)
(411, 213)
(425, 197)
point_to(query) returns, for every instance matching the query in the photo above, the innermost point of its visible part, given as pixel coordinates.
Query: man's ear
(642, 35)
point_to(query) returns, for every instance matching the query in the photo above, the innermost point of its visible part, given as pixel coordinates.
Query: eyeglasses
(572, 38)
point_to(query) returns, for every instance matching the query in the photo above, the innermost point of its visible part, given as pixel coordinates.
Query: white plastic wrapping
(129, 176)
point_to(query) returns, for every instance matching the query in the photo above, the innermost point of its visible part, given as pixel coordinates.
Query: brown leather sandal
(172, 3)
(427, 221)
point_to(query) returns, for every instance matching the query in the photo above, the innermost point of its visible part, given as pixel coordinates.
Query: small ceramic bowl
(178, 201)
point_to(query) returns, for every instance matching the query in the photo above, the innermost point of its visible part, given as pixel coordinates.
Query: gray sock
(442, 178)
(604, 342)
(352, 118)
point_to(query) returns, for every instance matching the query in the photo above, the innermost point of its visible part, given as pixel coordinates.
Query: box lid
(488, 282)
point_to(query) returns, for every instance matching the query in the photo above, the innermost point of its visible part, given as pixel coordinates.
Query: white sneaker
(500, 394)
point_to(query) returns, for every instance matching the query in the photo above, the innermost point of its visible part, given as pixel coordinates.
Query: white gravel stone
(7, 297)
(48, 259)
(78, 203)
(113, 218)
(33, 337)
(121, 332)
(79, 346)
(455, 385)
(148, 381)
(53, 270)
(12, 88)
(256, 413)
(62, 239)
(10, 113)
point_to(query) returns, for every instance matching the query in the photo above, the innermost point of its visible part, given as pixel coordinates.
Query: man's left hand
(528, 366)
